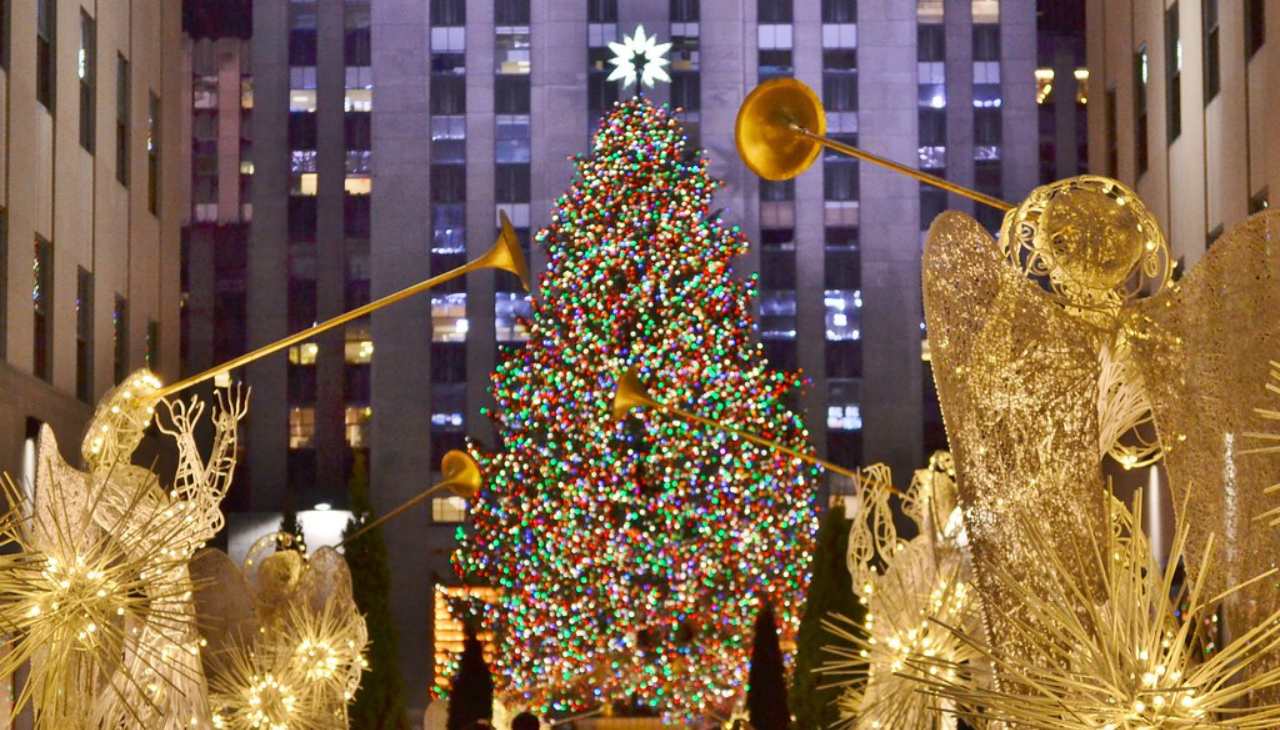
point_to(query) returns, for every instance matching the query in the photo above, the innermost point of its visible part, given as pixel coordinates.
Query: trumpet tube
(505, 254)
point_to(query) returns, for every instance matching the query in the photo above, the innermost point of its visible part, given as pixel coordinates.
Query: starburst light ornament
(907, 585)
(297, 660)
(1135, 660)
(639, 59)
(97, 594)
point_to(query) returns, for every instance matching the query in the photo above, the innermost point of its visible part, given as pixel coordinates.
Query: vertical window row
(931, 78)
(1212, 49)
(84, 335)
(842, 284)
(87, 70)
(686, 76)
(120, 339)
(358, 97)
(46, 52)
(1173, 72)
(4, 34)
(1140, 73)
(204, 132)
(777, 203)
(448, 218)
(302, 222)
(988, 122)
(842, 262)
(602, 29)
(512, 153)
(1113, 139)
(357, 185)
(123, 91)
(42, 309)
(774, 38)
(1255, 26)
(153, 152)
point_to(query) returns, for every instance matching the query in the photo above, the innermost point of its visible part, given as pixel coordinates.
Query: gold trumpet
(461, 476)
(782, 127)
(632, 394)
(505, 254)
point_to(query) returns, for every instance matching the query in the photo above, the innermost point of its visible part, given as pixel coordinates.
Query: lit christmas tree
(633, 557)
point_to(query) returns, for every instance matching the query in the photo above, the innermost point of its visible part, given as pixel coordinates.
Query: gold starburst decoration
(1132, 661)
(96, 592)
(1268, 442)
(301, 667)
(921, 581)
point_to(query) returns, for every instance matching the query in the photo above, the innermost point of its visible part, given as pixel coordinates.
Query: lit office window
(87, 70)
(1173, 72)
(302, 427)
(1140, 77)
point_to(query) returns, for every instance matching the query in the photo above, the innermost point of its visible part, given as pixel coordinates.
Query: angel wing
(1017, 379)
(1202, 348)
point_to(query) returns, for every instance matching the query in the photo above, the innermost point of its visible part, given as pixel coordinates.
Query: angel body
(1037, 383)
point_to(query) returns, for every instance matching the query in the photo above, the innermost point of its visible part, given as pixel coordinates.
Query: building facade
(386, 136)
(91, 197)
(1183, 94)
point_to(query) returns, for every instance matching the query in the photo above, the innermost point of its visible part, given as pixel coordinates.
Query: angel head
(1090, 240)
(120, 421)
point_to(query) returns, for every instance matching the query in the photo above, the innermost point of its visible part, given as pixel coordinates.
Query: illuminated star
(639, 58)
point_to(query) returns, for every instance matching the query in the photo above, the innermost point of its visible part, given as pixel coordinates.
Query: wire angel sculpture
(906, 586)
(97, 592)
(1046, 355)
(1136, 660)
(286, 643)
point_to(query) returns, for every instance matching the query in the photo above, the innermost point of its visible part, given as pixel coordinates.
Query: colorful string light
(632, 557)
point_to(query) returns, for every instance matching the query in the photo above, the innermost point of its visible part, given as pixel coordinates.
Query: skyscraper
(91, 199)
(379, 164)
(1184, 90)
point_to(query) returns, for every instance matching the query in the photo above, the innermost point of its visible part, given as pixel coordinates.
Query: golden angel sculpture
(97, 594)
(1052, 345)
(908, 586)
(285, 640)
(1138, 660)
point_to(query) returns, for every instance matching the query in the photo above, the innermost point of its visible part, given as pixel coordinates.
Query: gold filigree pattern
(907, 585)
(1089, 241)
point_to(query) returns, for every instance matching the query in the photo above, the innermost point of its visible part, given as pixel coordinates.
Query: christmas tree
(632, 557)
(830, 594)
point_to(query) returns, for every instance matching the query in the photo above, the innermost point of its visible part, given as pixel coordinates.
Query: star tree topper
(639, 59)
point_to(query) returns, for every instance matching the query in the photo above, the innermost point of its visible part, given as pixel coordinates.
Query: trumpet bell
(506, 253)
(631, 395)
(461, 474)
(767, 130)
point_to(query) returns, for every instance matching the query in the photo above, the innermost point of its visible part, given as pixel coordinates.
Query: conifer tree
(767, 683)
(830, 594)
(380, 702)
(471, 697)
(632, 556)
